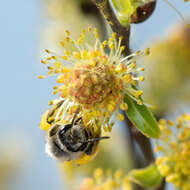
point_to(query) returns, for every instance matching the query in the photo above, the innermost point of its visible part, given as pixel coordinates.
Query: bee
(72, 141)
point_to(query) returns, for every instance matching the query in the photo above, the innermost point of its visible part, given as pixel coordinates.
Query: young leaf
(124, 9)
(142, 118)
(147, 177)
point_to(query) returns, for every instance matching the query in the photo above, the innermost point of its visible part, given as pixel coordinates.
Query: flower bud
(143, 12)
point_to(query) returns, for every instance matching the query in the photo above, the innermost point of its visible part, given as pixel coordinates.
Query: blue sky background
(24, 98)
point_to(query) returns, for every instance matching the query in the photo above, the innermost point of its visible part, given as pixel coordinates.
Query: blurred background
(29, 27)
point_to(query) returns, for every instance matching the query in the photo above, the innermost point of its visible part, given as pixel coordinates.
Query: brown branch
(162, 186)
(143, 142)
(108, 14)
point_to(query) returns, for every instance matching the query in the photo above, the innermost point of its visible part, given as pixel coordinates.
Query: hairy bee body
(72, 141)
(67, 142)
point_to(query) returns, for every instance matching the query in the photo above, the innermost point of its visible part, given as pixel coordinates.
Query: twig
(108, 14)
(143, 142)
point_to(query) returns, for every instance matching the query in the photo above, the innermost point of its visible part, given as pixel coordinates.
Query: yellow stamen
(123, 106)
(62, 43)
(89, 29)
(55, 92)
(138, 93)
(66, 52)
(64, 57)
(84, 54)
(65, 70)
(41, 77)
(55, 87)
(60, 79)
(147, 51)
(120, 117)
(57, 64)
(47, 51)
(43, 61)
(127, 78)
(67, 32)
(141, 78)
(50, 102)
(76, 55)
(139, 102)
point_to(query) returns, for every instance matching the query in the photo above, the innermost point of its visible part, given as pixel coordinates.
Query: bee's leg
(53, 130)
(90, 149)
(74, 117)
(53, 109)
(77, 120)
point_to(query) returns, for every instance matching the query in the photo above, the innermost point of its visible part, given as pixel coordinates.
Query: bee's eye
(65, 128)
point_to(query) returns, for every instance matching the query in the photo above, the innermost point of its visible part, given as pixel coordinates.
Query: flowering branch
(120, 30)
(104, 7)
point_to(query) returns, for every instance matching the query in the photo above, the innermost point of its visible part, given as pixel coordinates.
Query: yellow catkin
(93, 78)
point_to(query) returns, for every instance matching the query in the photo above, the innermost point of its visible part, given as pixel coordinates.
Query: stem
(108, 14)
(143, 142)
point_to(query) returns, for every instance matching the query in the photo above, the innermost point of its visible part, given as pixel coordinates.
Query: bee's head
(73, 137)
(66, 142)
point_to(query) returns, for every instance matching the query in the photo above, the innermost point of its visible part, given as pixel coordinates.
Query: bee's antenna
(74, 117)
(97, 139)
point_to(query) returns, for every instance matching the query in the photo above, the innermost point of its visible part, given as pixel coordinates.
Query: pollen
(64, 57)
(62, 43)
(43, 61)
(76, 55)
(84, 54)
(127, 78)
(139, 93)
(64, 70)
(50, 102)
(47, 51)
(123, 106)
(60, 79)
(120, 117)
(40, 76)
(147, 51)
(141, 78)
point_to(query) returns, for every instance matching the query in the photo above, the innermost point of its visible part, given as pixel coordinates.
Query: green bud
(124, 9)
(132, 11)
(147, 177)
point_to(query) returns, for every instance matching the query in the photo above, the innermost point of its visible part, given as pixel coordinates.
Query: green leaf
(147, 177)
(142, 118)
